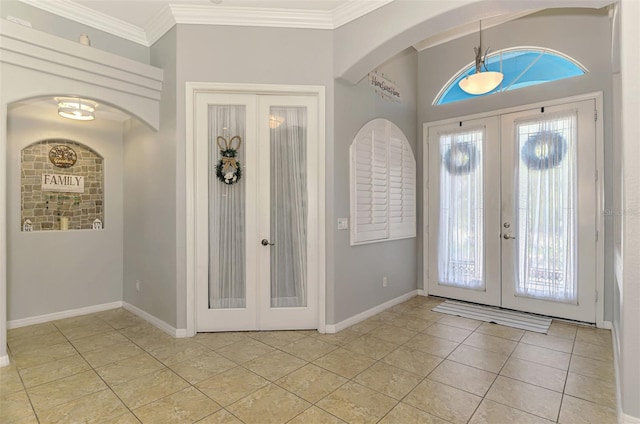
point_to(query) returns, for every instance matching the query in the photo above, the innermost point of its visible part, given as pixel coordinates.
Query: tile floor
(405, 365)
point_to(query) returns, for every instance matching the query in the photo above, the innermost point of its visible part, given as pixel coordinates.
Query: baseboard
(4, 361)
(157, 322)
(616, 371)
(422, 292)
(23, 322)
(334, 328)
(622, 417)
(607, 325)
(627, 419)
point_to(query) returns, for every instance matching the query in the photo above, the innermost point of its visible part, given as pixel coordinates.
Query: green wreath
(228, 169)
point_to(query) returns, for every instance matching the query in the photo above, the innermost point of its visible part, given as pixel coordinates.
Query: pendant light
(76, 108)
(481, 82)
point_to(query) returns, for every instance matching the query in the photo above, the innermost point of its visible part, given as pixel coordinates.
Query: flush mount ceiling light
(76, 108)
(481, 82)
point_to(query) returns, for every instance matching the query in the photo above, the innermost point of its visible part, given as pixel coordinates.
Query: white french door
(549, 211)
(513, 211)
(463, 204)
(258, 236)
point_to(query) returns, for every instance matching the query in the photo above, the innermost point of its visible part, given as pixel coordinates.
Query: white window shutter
(369, 209)
(382, 185)
(402, 186)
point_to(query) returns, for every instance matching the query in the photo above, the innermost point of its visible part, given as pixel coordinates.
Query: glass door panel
(546, 229)
(227, 276)
(461, 230)
(289, 206)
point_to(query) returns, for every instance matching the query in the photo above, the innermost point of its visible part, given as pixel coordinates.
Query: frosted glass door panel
(227, 239)
(289, 206)
(547, 191)
(461, 230)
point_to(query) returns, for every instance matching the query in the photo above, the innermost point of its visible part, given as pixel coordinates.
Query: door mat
(521, 320)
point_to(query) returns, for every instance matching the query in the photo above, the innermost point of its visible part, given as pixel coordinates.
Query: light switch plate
(343, 223)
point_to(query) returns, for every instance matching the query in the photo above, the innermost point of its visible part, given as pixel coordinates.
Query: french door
(513, 203)
(257, 212)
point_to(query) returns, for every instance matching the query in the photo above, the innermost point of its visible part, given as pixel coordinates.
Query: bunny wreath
(228, 169)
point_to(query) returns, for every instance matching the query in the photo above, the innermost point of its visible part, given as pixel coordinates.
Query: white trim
(334, 328)
(157, 322)
(207, 14)
(615, 333)
(622, 417)
(195, 14)
(627, 419)
(606, 325)
(422, 292)
(39, 319)
(4, 361)
(77, 12)
(353, 10)
(159, 25)
(192, 89)
(597, 97)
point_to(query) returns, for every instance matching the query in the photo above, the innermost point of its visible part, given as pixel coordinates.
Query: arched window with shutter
(382, 184)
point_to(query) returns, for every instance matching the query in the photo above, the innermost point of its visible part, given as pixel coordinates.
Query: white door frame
(192, 89)
(598, 98)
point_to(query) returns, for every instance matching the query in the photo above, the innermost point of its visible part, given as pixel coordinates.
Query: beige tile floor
(405, 365)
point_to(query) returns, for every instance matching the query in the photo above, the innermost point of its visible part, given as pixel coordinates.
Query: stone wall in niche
(44, 208)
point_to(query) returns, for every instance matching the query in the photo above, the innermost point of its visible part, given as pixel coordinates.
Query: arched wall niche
(355, 56)
(61, 194)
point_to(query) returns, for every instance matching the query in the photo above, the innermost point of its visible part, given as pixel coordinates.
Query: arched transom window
(521, 66)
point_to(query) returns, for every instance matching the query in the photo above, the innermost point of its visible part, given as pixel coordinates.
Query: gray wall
(71, 30)
(359, 269)
(53, 271)
(150, 199)
(247, 55)
(584, 35)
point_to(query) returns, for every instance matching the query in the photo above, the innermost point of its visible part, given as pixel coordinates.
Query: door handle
(508, 237)
(265, 242)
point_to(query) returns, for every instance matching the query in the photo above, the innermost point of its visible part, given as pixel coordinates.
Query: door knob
(508, 237)
(265, 242)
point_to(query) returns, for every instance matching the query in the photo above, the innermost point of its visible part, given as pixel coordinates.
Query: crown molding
(159, 25)
(352, 10)
(192, 14)
(251, 16)
(98, 20)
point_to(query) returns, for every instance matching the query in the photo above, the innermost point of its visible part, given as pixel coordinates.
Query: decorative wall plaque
(63, 156)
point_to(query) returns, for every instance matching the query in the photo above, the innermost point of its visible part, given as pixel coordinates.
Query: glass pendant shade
(481, 82)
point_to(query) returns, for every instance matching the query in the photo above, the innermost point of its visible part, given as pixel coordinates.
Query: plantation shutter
(382, 184)
(402, 186)
(369, 187)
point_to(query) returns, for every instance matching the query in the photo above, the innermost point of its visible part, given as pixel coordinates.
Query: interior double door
(512, 211)
(256, 189)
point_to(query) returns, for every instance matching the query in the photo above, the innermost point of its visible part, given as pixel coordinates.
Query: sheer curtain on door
(461, 227)
(547, 195)
(227, 284)
(288, 206)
